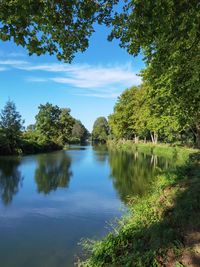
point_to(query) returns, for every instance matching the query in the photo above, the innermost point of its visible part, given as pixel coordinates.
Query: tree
(122, 121)
(47, 122)
(54, 128)
(79, 132)
(11, 126)
(151, 120)
(167, 31)
(100, 130)
(136, 114)
(31, 133)
(66, 123)
(57, 27)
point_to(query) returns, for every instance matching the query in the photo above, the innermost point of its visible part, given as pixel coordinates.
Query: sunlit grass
(156, 231)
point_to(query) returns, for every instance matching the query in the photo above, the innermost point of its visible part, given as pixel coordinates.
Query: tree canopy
(11, 125)
(79, 133)
(55, 27)
(53, 129)
(136, 116)
(47, 121)
(100, 130)
(168, 34)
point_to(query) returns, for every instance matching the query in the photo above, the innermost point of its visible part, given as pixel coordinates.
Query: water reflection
(10, 178)
(53, 224)
(100, 152)
(53, 171)
(132, 173)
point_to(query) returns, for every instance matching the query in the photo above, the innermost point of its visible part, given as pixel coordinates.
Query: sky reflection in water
(48, 202)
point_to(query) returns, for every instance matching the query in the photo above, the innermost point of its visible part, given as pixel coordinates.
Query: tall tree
(100, 130)
(136, 114)
(122, 121)
(47, 122)
(79, 132)
(11, 125)
(168, 33)
(66, 122)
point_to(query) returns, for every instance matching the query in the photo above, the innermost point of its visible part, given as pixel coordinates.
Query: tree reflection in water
(132, 173)
(10, 178)
(53, 171)
(100, 152)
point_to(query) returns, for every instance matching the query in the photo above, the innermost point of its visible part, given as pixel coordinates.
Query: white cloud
(13, 63)
(99, 77)
(51, 67)
(107, 81)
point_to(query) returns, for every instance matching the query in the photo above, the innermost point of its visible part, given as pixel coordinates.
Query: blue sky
(89, 86)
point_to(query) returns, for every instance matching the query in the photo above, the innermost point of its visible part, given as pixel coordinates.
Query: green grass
(163, 150)
(156, 230)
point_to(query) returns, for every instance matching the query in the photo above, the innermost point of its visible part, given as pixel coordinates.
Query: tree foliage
(135, 115)
(79, 132)
(168, 34)
(66, 122)
(121, 121)
(100, 130)
(47, 122)
(53, 129)
(54, 27)
(11, 126)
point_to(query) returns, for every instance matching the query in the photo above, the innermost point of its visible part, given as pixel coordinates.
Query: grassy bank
(164, 150)
(162, 228)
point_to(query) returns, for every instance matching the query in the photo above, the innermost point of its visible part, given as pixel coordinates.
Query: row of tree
(140, 113)
(53, 129)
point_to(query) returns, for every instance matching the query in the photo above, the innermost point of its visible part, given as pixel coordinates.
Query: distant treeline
(53, 129)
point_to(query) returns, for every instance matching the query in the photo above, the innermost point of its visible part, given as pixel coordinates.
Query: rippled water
(48, 202)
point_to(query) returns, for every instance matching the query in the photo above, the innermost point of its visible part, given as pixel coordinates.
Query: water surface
(48, 202)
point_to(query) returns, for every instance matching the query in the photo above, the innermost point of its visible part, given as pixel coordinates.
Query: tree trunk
(152, 138)
(155, 138)
(136, 139)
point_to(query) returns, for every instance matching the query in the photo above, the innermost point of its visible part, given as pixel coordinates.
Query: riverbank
(28, 147)
(159, 149)
(163, 227)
